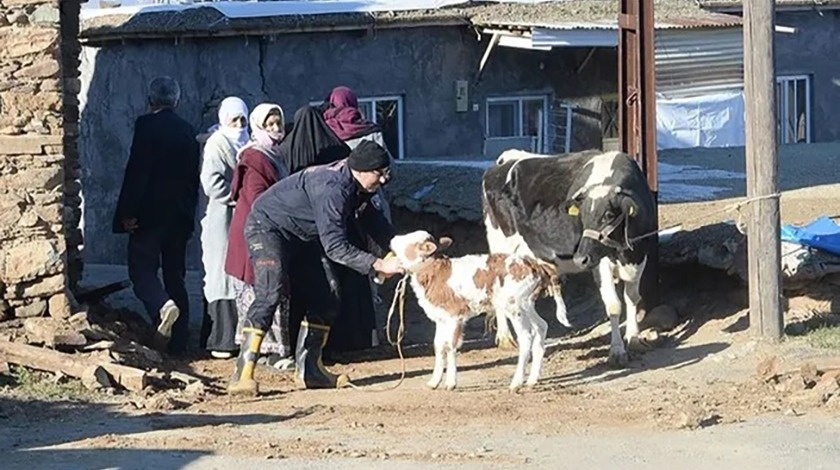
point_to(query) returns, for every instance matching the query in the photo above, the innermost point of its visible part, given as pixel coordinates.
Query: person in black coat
(156, 207)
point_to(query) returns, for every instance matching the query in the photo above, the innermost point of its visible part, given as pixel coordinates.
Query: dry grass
(827, 337)
(39, 385)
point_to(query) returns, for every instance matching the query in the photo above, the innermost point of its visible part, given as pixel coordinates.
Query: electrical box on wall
(462, 96)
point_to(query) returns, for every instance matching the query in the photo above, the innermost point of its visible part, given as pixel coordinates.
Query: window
(518, 117)
(609, 117)
(793, 108)
(387, 112)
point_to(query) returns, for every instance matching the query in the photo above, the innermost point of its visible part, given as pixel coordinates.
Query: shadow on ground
(35, 430)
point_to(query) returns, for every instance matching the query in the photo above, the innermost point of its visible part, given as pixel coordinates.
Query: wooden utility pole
(764, 249)
(637, 111)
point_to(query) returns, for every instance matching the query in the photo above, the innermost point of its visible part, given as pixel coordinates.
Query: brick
(23, 3)
(45, 68)
(20, 99)
(44, 287)
(20, 42)
(26, 144)
(36, 308)
(59, 306)
(30, 260)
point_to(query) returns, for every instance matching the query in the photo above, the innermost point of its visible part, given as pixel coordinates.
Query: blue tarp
(822, 234)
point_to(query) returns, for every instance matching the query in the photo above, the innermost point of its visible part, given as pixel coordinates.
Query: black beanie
(368, 156)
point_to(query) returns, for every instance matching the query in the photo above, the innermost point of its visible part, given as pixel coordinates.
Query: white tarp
(713, 120)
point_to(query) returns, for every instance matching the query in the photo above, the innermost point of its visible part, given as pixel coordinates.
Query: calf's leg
(523, 331)
(454, 330)
(440, 350)
(538, 346)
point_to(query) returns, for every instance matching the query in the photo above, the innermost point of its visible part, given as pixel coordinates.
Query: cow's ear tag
(574, 211)
(632, 211)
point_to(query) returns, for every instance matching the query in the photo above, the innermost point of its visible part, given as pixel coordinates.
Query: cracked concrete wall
(420, 64)
(809, 51)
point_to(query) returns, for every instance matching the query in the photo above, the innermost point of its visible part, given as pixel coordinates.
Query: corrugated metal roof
(568, 14)
(738, 4)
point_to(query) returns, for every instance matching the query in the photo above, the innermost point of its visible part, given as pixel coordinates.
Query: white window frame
(784, 109)
(542, 141)
(400, 116)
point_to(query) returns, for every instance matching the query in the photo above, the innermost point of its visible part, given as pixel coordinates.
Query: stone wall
(38, 156)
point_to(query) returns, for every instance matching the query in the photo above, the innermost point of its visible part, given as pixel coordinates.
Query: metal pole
(763, 244)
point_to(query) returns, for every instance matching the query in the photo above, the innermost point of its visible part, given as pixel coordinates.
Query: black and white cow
(581, 211)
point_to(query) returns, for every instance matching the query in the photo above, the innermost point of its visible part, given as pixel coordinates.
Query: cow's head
(606, 214)
(412, 249)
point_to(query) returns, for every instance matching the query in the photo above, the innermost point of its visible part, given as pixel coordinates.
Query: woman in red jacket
(259, 167)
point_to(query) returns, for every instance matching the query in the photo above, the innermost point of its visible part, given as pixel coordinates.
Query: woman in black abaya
(311, 142)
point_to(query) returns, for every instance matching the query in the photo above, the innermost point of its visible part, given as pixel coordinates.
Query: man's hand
(388, 266)
(130, 225)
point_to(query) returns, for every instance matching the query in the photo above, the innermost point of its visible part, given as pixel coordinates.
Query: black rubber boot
(242, 382)
(309, 368)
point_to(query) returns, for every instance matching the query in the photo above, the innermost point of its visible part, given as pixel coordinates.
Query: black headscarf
(311, 142)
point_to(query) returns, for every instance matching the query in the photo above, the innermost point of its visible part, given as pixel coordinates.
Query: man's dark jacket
(160, 186)
(320, 203)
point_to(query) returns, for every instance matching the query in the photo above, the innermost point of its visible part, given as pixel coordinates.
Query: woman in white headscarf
(220, 158)
(260, 166)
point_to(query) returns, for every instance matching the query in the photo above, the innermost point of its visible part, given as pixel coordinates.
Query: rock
(37, 308)
(809, 374)
(40, 288)
(95, 378)
(45, 15)
(59, 306)
(18, 18)
(4, 21)
(796, 383)
(195, 389)
(827, 385)
(768, 369)
(52, 333)
(662, 318)
(42, 69)
(36, 39)
(32, 259)
(4, 368)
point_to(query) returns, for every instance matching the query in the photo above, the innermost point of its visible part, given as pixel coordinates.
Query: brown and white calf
(453, 290)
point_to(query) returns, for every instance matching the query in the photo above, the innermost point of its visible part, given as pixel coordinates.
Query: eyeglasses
(384, 175)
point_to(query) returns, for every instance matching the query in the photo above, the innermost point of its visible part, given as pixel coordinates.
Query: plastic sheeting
(712, 120)
(822, 234)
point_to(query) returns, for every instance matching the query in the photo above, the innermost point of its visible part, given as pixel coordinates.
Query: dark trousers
(275, 257)
(151, 250)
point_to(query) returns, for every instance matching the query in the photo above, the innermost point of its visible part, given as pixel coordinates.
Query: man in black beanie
(292, 224)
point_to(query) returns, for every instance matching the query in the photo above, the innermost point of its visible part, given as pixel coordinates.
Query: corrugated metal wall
(692, 62)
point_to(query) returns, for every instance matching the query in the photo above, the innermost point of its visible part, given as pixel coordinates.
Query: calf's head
(412, 249)
(606, 213)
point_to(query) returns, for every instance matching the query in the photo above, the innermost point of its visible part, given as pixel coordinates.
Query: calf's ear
(427, 248)
(444, 243)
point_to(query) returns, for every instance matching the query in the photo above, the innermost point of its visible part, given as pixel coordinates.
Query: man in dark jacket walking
(156, 207)
(291, 225)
